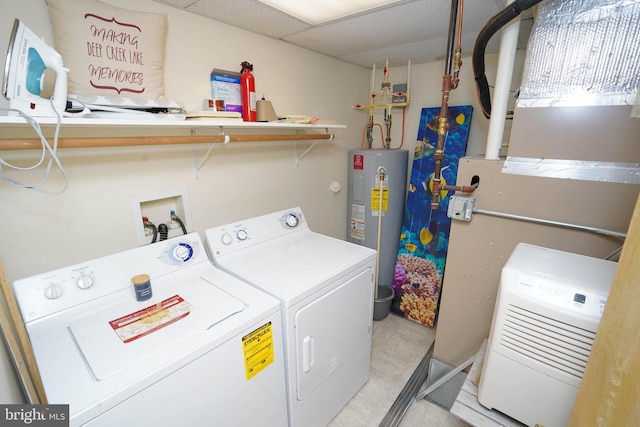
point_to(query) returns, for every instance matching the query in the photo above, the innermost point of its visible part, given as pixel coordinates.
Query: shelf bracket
(299, 157)
(197, 165)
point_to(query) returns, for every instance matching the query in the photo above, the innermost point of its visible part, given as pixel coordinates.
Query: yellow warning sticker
(258, 351)
(375, 199)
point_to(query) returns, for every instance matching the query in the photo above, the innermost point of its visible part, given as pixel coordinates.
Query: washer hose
(152, 226)
(163, 230)
(175, 218)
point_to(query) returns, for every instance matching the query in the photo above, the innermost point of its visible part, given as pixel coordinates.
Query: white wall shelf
(22, 143)
(165, 123)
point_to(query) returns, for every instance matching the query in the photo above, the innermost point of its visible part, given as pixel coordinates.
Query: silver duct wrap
(583, 52)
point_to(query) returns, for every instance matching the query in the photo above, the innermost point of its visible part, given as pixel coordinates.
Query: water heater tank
(365, 170)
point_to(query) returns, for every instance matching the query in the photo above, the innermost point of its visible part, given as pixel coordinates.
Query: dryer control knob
(53, 291)
(242, 235)
(292, 220)
(226, 239)
(85, 281)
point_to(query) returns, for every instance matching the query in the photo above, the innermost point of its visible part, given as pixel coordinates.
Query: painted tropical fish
(411, 247)
(426, 236)
(429, 237)
(435, 231)
(453, 124)
(423, 149)
(427, 184)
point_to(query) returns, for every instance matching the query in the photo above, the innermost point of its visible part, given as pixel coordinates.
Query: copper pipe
(388, 125)
(457, 57)
(369, 128)
(461, 188)
(448, 84)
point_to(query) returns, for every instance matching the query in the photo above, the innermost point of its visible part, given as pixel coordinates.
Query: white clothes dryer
(204, 350)
(325, 288)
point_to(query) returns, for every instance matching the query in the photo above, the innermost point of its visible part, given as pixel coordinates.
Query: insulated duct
(583, 53)
(498, 21)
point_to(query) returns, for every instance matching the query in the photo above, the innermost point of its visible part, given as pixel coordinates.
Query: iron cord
(46, 148)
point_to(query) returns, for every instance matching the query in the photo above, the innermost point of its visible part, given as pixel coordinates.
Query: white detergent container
(546, 316)
(365, 169)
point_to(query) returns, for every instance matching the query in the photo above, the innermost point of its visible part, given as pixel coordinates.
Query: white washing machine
(204, 350)
(325, 288)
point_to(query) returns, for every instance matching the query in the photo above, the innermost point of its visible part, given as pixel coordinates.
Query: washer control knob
(292, 220)
(53, 291)
(182, 252)
(85, 281)
(242, 234)
(226, 239)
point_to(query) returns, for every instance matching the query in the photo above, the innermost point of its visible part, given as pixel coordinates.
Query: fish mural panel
(424, 239)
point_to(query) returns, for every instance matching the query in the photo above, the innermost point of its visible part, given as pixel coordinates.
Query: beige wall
(93, 217)
(479, 249)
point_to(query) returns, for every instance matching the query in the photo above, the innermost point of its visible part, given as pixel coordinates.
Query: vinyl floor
(398, 345)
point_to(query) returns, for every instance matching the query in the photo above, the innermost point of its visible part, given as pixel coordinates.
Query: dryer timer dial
(85, 281)
(53, 291)
(226, 239)
(291, 220)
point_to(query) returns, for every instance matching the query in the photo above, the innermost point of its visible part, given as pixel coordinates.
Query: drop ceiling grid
(415, 29)
(405, 23)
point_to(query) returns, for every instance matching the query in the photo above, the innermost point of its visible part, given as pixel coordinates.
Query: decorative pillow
(109, 50)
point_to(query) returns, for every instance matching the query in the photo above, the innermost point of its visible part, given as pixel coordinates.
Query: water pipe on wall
(449, 82)
(508, 45)
(386, 103)
(506, 59)
(381, 176)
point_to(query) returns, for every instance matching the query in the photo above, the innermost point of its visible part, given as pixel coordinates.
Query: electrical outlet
(157, 208)
(461, 207)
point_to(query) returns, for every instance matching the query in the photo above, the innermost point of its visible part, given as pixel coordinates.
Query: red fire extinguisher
(248, 92)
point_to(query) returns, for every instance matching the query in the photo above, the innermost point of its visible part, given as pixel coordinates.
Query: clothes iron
(30, 63)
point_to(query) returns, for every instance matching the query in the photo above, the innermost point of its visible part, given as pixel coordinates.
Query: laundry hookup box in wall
(225, 86)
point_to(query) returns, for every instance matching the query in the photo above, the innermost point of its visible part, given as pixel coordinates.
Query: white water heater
(545, 320)
(366, 167)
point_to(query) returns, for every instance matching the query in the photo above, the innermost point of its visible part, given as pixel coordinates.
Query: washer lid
(164, 327)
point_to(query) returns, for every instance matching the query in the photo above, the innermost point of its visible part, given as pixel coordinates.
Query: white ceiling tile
(249, 14)
(177, 3)
(415, 29)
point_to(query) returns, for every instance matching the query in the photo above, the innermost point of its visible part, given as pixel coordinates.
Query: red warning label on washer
(150, 319)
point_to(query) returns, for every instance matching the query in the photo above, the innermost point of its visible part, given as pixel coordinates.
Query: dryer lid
(161, 329)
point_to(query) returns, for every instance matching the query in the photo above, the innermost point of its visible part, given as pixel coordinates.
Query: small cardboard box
(225, 85)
